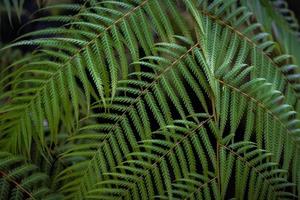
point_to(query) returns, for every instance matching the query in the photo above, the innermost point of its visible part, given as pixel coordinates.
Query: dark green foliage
(21, 180)
(152, 99)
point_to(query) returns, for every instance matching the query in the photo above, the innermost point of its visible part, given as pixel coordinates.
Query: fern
(285, 26)
(21, 180)
(152, 99)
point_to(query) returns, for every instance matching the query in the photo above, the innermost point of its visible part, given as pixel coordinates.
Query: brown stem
(3, 174)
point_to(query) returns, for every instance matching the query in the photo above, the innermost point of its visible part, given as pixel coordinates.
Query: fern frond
(118, 22)
(277, 185)
(285, 27)
(139, 165)
(20, 180)
(155, 99)
(144, 92)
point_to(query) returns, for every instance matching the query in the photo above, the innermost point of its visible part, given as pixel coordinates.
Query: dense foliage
(152, 99)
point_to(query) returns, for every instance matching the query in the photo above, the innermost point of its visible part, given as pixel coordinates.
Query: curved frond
(21, 180)
(149, 99)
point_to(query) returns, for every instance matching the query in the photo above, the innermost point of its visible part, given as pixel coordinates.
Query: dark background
(294, 5)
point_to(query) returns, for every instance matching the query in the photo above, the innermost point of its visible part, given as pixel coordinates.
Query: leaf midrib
(131, 106)
(43, 86)
(243, 36)
(263, 106)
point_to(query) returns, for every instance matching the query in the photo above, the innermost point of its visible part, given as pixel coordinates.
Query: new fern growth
(150, 99)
